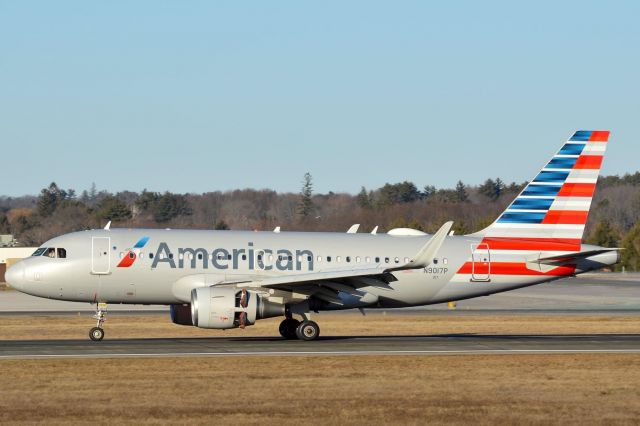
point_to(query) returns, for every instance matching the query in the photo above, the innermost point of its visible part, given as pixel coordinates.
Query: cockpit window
(39, 251)
(62, 253)
(50, 252)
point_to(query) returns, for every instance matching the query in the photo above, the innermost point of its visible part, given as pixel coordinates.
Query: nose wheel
(97, 333)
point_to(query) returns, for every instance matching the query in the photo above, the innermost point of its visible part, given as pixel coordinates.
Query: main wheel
(96, 334)
(288, 328)
(308, 330)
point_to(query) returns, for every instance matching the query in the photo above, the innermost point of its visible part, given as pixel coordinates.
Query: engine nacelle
(226, 307)
(181, 314)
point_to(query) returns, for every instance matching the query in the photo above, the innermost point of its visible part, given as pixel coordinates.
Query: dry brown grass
(77, 327)
(506, 389)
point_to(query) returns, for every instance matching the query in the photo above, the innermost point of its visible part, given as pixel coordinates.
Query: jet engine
(227, 307)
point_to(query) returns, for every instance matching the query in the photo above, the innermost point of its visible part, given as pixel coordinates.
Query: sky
(198, 96)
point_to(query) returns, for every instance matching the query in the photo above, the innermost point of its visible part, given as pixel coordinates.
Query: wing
(326, 285)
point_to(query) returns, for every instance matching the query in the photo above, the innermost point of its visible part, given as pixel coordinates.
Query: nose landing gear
(97, 333)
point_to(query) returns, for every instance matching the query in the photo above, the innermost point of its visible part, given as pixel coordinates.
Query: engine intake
(227, 307)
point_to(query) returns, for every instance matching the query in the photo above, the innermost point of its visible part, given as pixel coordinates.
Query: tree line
(614, 220)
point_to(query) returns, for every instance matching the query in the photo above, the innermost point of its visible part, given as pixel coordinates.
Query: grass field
(117, 326)
(523, 389)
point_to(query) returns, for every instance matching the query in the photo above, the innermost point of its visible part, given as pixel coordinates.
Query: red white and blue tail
(551, 211)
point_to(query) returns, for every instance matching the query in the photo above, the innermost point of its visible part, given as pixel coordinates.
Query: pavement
(463, 344)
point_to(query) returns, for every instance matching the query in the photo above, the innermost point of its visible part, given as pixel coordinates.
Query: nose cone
(15, 276)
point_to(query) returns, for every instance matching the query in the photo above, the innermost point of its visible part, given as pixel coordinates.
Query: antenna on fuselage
(353, 229)
(107, 226)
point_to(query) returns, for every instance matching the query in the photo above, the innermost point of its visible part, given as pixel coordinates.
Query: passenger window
(170, 255)
(132, 255)
(377, 260)
(368, 259)
(406, 260)
(328, 258)
(338, 258)
(357, 259)
(150, 255)
(397, 260)
(348, 259)
(62, 253)
(244, 257)
(259, 258)
(386, 260)
(319, 259)
(309, 258)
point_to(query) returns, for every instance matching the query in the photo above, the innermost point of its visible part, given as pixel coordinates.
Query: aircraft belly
(413, 288)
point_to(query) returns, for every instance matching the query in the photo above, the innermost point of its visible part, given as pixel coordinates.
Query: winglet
(277, 230)
(375, 230)
(107, 226)
(353, 229)
(426, 254)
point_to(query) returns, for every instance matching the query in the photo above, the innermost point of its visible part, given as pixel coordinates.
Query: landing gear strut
(97, 333)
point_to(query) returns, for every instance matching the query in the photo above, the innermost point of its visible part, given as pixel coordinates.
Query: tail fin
(553, 207)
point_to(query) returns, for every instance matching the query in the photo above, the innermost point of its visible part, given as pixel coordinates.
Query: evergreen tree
(631, 246)
(488, 189)
(305, 206)
(605, 235)
(499, 188)
(111, 208)
(49, 199)
(363, 199)
(428, 191)
(461, 193)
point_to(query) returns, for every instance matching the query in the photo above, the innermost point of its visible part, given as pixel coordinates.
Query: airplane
(231, 279)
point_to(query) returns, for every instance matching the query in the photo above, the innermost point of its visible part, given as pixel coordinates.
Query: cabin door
(481, 262)
(100, 255)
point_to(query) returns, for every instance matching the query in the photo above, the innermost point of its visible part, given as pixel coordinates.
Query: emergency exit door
(100, 255)
(481, 262)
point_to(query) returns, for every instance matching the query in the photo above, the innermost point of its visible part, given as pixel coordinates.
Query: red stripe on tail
(589, 162)
(599, 136)
(565, 217)
(577, 190)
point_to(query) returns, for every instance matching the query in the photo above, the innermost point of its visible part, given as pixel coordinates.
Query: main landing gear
(291, 328)
(97, 333)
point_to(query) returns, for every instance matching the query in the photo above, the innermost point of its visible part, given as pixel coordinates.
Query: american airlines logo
(246, 258)
(130, 258)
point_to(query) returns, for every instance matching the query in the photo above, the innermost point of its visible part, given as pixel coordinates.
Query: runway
(461, 344)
